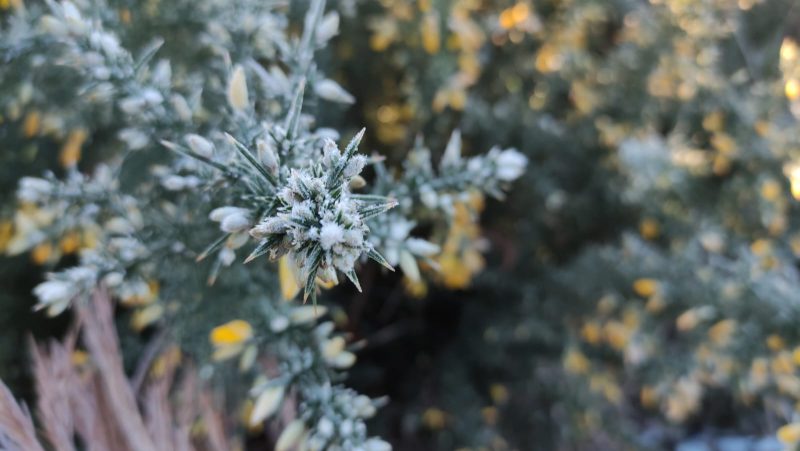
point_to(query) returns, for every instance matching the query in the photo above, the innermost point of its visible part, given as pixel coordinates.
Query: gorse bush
(207, 152)
(201, 167)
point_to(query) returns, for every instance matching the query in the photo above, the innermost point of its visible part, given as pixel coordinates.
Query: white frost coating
(510, 165)
(330, 234)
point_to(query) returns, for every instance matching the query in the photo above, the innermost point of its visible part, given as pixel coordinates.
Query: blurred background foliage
(639, 288)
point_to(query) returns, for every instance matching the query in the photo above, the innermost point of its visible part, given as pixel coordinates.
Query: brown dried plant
(86, 401)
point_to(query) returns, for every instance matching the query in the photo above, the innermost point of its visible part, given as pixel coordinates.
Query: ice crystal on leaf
(320, 221)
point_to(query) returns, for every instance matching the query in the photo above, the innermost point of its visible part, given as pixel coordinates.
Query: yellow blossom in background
(170, 358)
(231, 333)
(645, 287)
(434, 418)
(792, 172)
(499, 393)
(591, 332)
(714, 122)
(789, 434)
(431, 36)
(770, 190)
(548, 59)
(146, 316)
(79, 357)
(792, 89)
(649, 229)
(42, 253)
(648, 397)
(617, 334)
(775, 342)
(229, 338)
(71, 151)
(720, 333)
(70, 242)
(417, 289)
(6, 233)
(575, 362)
(31, 124)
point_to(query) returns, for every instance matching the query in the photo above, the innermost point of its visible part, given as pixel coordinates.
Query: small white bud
(332, 91)
(237, 89)
(199, 145)
(279, 324)
(357, 182)
(291, 436)
(268, 156)
(266, 404)
(409, 266)
(510, 165)
(235, 222)
(428, 197)
(452, 153)
(218, 214)
(173, 183)
(424, 248)
(328, 27)
(376, 444)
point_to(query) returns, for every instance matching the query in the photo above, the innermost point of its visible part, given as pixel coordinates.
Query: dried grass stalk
(95, 402)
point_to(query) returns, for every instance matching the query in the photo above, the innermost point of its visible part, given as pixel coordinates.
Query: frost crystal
(319, 220)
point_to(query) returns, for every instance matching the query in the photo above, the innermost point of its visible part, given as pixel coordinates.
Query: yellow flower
(775, 342)
(434, 418)
(71, 152)
(789, 50)
(655, 304)
(783, 363)
(617, 335)
(146, 316)
(453, 272)
(171, 357)
(792, 172)
(714, 122)
(723, 143)
(721, 332)
(649, 229)
(231, 333)
(431, 36)
(771, 190)
(792, 89)
(416, 289)
(548, 59)
(42, 253)
(499, 393)
(70, 242)
(645, 287)
(648, 397)
(79, 357)
(288, 280)
(32, 124)
(6, 233)
(575, 362)
(591, 332)
(789, 434)
(689, 319)
(229, 339)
